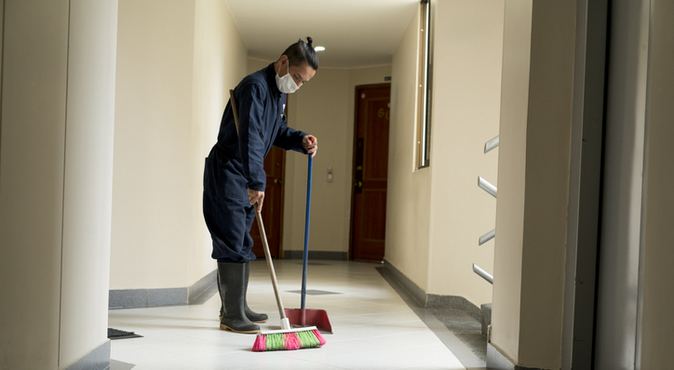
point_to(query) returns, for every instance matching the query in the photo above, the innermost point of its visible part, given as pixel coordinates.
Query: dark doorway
(272, 209)
(370, 172)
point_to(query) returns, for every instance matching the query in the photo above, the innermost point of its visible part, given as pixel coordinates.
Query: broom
(287, 338)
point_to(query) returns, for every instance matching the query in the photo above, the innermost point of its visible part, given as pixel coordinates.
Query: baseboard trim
(97, 359)
(197, 293)
(317, 255)
(498, 361)
(433, 300)
(203, 289)
(454, 302)
(142, 298)
(420, 297)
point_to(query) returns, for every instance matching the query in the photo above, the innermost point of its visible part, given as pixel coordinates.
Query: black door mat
(121, 334)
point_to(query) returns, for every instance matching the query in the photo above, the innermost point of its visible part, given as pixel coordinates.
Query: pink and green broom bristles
(288, 340)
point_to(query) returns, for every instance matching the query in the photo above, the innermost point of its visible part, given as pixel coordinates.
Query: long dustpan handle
(284, 320)
(307, 217)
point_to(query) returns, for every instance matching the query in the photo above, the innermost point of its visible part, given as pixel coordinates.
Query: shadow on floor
(458, 330)
(120, 365)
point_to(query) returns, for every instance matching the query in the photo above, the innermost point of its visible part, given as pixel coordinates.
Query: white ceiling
(354, 32)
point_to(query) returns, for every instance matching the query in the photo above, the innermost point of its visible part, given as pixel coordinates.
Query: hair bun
(310, 41)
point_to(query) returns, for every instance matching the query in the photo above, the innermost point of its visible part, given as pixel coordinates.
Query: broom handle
(307, 214)
(260, 224)
(270, 264)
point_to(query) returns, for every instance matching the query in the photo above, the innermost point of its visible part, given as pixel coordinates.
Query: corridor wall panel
(35, 39)
(175, 66)
(88, 178)
(467, 54)
(657, 302)
(55, 180)
(534, 160)
(409, 195)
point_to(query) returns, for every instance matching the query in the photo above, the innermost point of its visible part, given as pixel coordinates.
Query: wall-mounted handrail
(483, 274)
(486, 186)
(490, 188)
(489, 235)
(491, 144)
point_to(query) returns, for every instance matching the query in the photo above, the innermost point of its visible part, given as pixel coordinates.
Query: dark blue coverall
(236, 164)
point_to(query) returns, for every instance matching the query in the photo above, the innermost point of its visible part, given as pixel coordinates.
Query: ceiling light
(319, 48)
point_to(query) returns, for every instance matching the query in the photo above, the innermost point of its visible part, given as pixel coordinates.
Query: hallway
(521, 204)
(374, 327)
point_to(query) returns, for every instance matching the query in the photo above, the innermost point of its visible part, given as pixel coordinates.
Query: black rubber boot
(231, 284)
(250, 314)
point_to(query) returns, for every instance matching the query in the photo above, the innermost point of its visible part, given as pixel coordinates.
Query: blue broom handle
(307, 215)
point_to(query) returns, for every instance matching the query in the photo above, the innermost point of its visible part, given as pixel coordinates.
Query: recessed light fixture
(319, 48)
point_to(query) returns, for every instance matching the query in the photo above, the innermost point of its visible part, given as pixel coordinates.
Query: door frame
(585, 184)
(353, 155)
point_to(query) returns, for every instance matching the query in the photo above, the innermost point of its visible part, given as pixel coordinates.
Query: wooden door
(272, 208)
(370, 171)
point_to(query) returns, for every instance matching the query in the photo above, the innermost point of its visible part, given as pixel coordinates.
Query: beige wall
(320, 108)
(88, 178)
(152, 212)
(510, 204)
(219, 64)
(31, 175)
(547, 182)
(323, 107)
(2, 38)
(254, 64)
(468, 39)
(408, 197)
(435, 215)
(175, 66)
(533, 181)
(55, 176)
(657, 303)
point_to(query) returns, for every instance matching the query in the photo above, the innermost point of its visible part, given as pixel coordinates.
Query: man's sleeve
(250, 107)
(289, 138)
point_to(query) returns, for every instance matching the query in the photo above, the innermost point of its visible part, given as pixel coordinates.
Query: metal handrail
(483, 274)
(486, 186)
(491, 234)
(491, 144)
(490, 188)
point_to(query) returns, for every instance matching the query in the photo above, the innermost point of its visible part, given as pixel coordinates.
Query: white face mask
(286, 84)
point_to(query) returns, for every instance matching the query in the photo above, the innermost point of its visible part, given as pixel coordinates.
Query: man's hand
(310, 143)
(254, 197)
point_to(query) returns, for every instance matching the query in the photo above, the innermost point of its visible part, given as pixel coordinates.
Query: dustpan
(308, 316)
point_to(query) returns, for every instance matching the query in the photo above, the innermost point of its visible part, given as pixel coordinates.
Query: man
(234, 176)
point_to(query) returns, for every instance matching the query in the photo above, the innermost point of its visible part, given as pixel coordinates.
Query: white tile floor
(374, 328)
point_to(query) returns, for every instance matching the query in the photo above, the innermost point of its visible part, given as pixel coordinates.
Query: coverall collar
(271, 80)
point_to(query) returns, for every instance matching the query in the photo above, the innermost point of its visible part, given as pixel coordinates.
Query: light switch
(330, 176)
